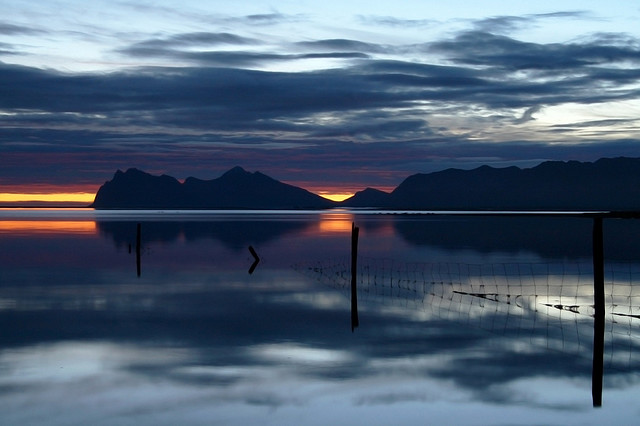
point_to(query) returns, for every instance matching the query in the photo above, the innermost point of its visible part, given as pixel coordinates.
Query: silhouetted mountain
(236, 189)
(607, 184)
(136, 189)
(370, 197)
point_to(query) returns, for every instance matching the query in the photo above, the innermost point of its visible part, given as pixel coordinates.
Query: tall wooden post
(138, 243)
(598, 300)
(355, 322)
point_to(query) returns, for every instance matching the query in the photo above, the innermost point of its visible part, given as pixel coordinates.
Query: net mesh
(549, 303)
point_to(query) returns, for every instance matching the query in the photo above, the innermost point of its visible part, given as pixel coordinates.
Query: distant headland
(606, 184)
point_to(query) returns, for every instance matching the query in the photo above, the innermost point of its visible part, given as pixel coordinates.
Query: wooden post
(138, 243)
(598, 300)
(354, 275)
(256, 260)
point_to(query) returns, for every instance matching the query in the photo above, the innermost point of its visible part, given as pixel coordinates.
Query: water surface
(462, 320)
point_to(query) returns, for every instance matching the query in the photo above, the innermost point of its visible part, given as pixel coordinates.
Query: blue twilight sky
(318, 94)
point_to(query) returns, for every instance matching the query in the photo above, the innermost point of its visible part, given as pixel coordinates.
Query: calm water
(462, 320)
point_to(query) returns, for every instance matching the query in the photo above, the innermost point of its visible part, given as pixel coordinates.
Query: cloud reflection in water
(195, 339)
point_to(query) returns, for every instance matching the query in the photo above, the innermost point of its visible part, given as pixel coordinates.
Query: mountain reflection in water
(462, 320)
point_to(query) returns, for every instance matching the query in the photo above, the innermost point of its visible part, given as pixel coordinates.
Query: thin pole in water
(138, 243)
(354, 272)
(597, 371)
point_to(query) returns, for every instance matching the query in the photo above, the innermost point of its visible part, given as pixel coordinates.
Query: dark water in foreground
(462, 320)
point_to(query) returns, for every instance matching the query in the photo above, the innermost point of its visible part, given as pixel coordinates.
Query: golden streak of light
(60, 197)
(336, 223)
(47, 227)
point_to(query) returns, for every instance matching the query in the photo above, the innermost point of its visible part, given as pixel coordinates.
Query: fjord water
(462, 320)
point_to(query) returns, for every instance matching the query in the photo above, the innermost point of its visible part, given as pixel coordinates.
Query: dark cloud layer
(506, 24)
(223, 107)
(482, 48)
(193, 39)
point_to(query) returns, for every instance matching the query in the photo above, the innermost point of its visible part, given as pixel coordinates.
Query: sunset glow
(335, 196)
(60, 197)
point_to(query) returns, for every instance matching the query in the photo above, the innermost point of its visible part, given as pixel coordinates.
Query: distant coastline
(608, 184)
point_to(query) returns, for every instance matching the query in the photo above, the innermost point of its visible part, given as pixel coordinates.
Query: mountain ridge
(606, 184)
(235, 189)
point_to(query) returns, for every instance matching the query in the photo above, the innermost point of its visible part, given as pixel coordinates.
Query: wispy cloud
(344, 45)
(528, 114)
(507, 24)
(487, 49)
(197, 39)
(391, 21)
(14, 29)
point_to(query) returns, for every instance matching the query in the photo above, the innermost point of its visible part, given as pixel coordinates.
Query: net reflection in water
(549, 304)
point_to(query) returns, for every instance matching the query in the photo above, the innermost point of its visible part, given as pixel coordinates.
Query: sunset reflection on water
(336, 223)
(40, 227)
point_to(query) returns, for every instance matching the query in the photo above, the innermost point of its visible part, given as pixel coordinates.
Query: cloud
(404, 108)
(479, 48)
(193, 48)
(231, 97)
(528, 114)
(507, 24)
(7, 49)
(194, 39)
(271, 18)
(13, 29)
(600, 123)
(587, 69)
(185, 13)
(372, 97)
(501, 24)
(344, 45)
(391, 21)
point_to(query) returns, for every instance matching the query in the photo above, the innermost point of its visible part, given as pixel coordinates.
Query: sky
(330, 96)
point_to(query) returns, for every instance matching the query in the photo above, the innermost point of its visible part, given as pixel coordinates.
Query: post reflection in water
(355, 321)
(461, 324)
(598, 316)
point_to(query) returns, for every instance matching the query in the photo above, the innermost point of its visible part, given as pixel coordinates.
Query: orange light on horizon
(341, 193)
(335, 196)
(53, 197)
(47, 226)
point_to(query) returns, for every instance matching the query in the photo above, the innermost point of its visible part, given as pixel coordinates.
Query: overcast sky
(318, 94)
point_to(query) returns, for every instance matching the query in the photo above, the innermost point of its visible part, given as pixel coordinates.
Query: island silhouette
(235, 189)
(611, 184)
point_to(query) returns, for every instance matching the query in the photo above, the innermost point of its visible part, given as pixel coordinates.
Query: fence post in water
(354, 273)
(256, 260)
(598, 300)
(138, 243)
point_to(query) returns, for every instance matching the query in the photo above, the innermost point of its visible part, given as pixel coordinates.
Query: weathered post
(138, 243)
(354, 275)
(256, 260)
(597, 371)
